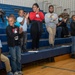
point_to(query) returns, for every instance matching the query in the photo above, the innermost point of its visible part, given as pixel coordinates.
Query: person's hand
(7, 17)
(51, 16)
(20, 30)
(27, 16)
(65, 20)
(24, 14)
(59, 24)
(55, 19)
(37, 10)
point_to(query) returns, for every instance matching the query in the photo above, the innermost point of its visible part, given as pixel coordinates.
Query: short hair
(73, 16)
(20, 10)
(60, 16)
(12, 16)
(35, 4)
(51, 6)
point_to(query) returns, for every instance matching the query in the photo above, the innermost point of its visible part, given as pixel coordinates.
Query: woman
(36, 17)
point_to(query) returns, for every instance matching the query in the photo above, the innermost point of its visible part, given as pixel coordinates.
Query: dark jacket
(72, 28)
(64, 27)
(13, 32)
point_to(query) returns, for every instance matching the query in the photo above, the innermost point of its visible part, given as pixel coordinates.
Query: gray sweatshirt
(51, 19)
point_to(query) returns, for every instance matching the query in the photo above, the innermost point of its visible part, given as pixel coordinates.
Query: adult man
(51, 19)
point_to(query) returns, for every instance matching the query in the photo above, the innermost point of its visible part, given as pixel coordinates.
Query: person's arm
(27, 21)
(47, 20)
(22, 21)
(20, 30)
(59, 24)
(26, 18)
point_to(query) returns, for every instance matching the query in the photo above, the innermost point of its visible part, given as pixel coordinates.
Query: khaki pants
(52, 33)
(7, 62)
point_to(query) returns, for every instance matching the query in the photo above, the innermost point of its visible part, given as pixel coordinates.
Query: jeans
(73, 45)
(59, 30)
(15, 53)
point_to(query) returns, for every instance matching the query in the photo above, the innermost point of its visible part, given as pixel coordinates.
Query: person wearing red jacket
(36, 18)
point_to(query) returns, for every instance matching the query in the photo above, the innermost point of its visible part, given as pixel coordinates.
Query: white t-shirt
(24, 26)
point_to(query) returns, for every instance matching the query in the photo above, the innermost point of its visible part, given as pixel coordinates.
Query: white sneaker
(20, 72)
(16, 73)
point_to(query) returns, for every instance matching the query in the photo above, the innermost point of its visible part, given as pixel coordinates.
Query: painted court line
(58, 68)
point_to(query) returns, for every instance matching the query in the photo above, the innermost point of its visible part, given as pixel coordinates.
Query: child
(16, 23)
(6, 61)
(22, 19)
(73, 36)
(13, 38)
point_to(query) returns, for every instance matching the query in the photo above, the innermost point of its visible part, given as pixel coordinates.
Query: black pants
(65, 31)
(36, 31)
(1, 16)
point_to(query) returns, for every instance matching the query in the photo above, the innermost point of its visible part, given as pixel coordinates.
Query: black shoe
(73, 56)
(51, 46)
(24, 51)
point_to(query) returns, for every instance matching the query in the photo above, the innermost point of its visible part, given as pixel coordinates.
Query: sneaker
(9, 73)
(16, 73)
(20, 72)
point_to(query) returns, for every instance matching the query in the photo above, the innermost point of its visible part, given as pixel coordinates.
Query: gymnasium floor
(65, 67)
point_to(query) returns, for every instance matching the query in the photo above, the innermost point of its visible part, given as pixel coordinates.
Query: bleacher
(43, 53)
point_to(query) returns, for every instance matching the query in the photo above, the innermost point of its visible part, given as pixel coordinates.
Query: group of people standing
(17, 33)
